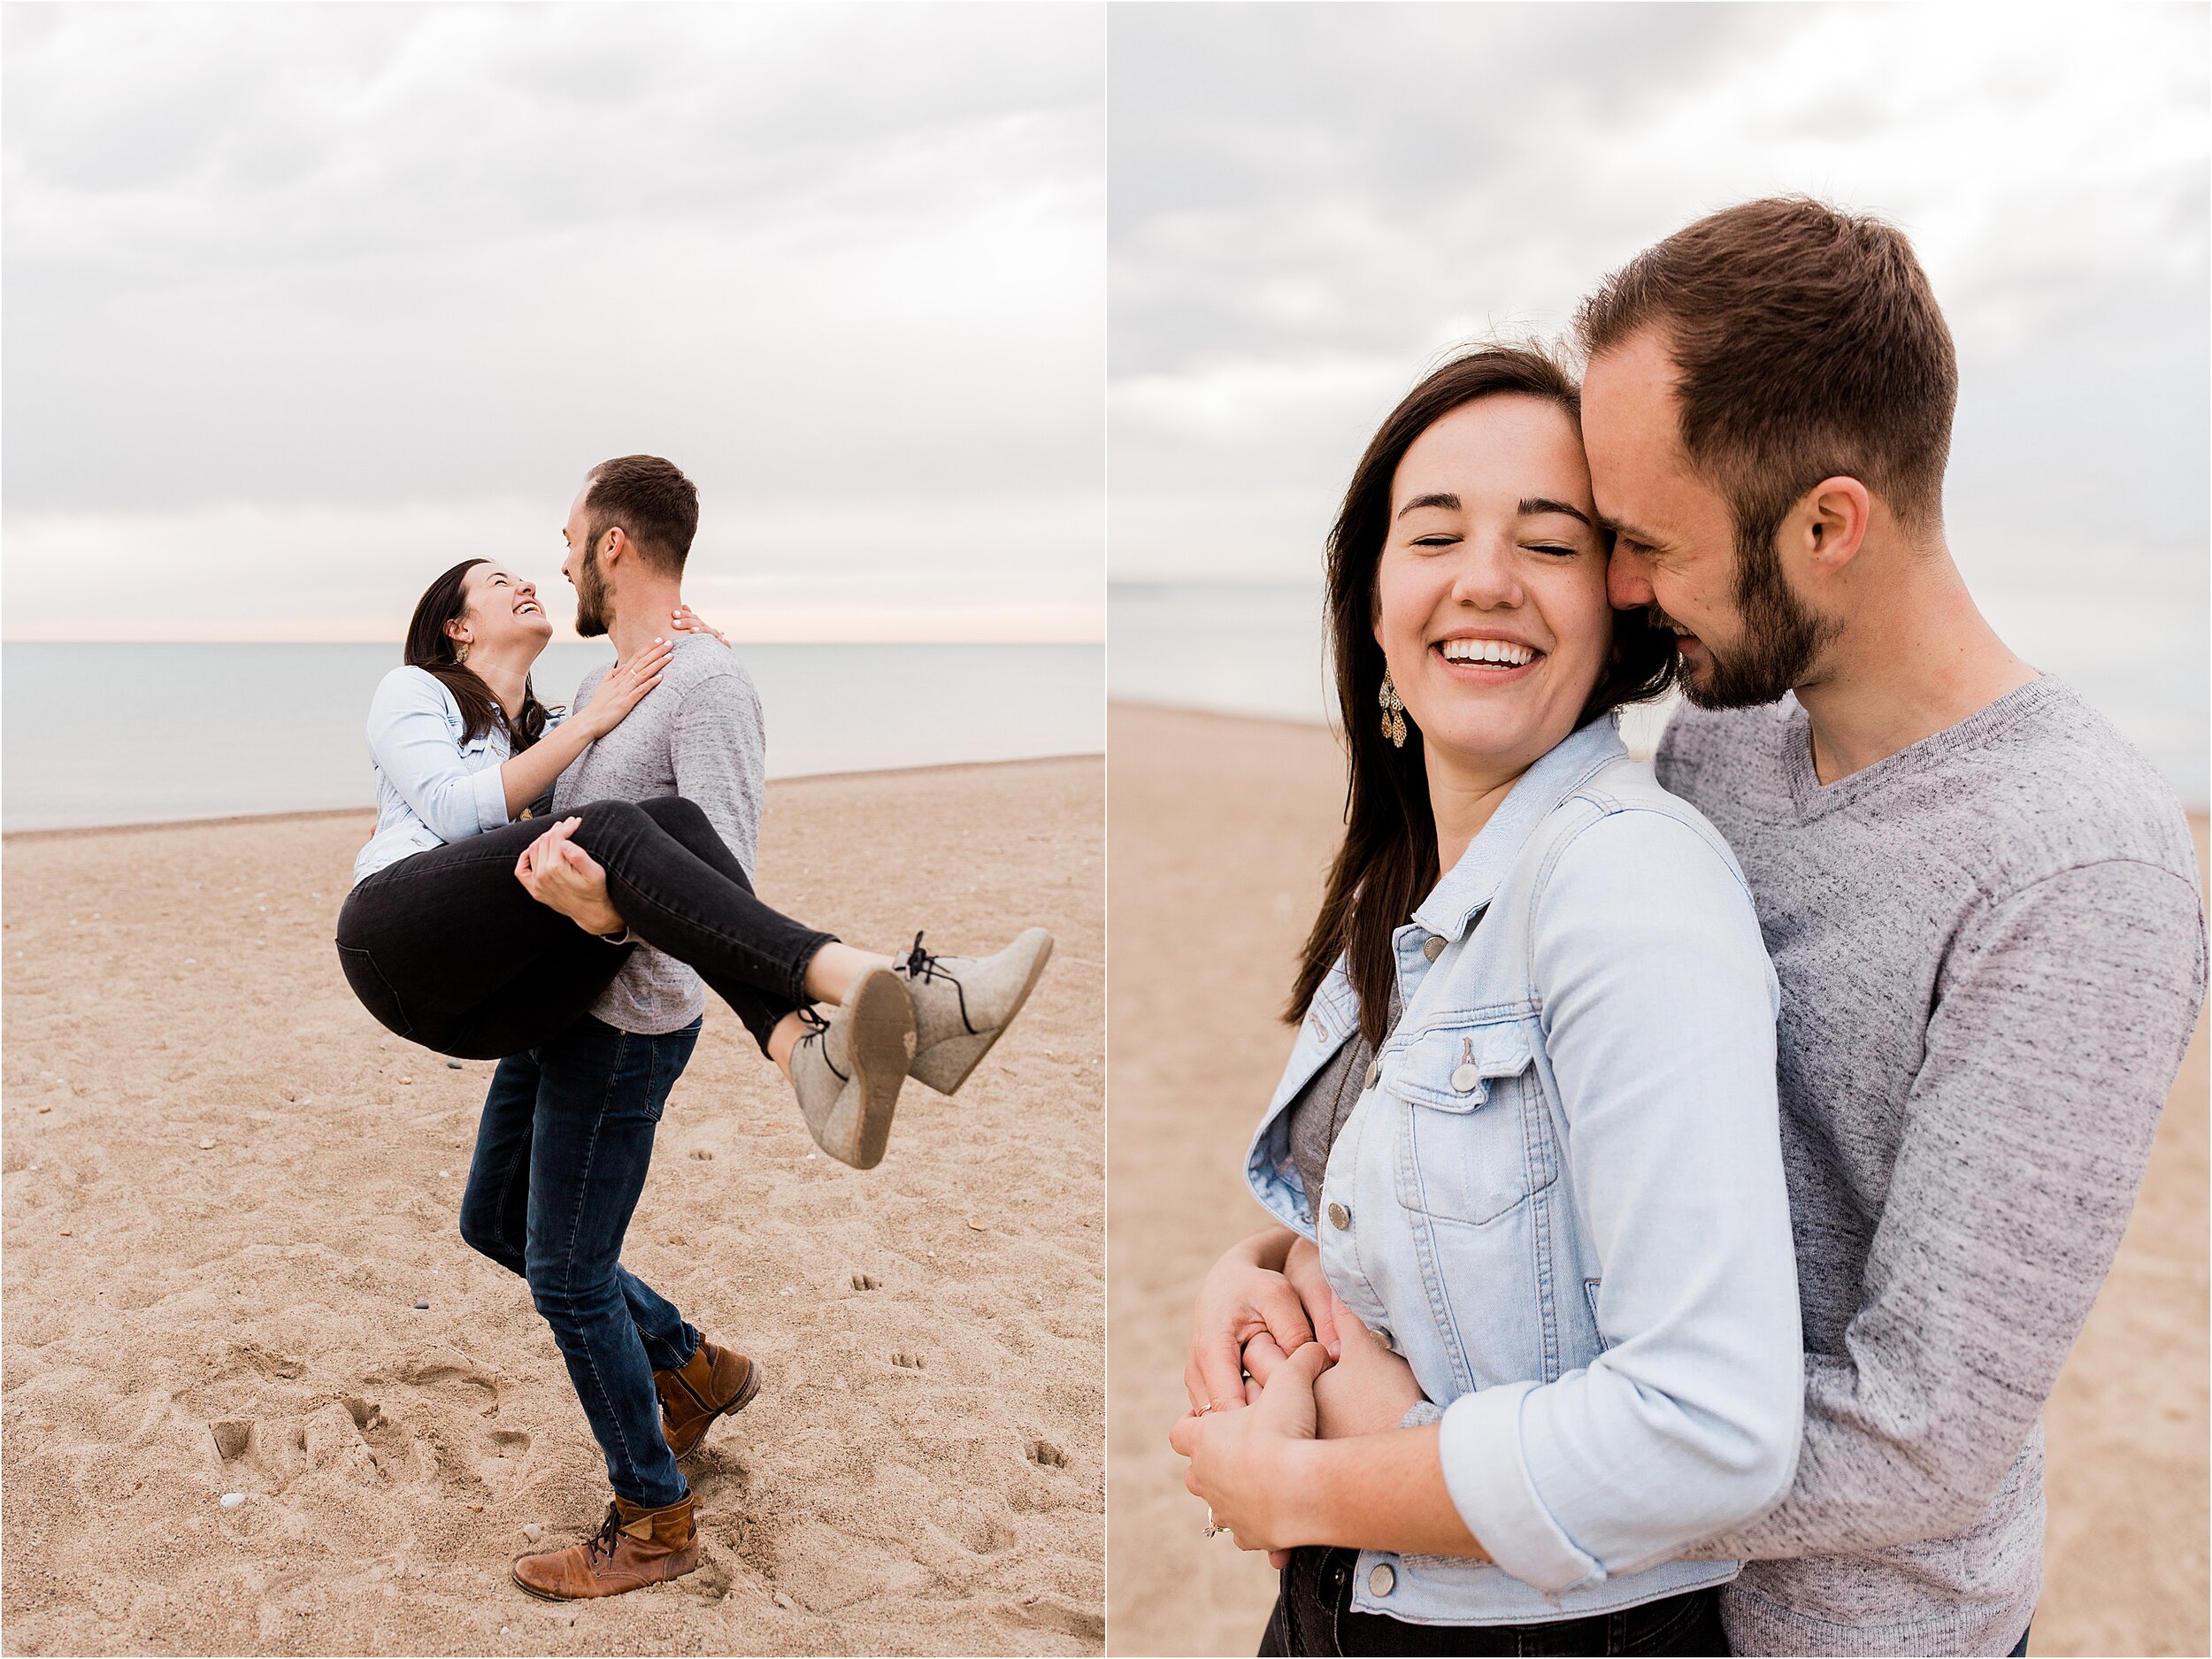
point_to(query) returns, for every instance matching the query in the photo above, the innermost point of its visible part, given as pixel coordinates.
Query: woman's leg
(680, 890)
(448, 949)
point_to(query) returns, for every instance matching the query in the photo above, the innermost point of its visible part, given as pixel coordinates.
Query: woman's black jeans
(447, 949)
(1314, 1615)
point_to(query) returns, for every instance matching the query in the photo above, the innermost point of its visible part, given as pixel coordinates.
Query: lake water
(1256, 648)
(145, 733)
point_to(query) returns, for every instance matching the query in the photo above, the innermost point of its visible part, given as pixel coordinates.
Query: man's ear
(1829, 525)
(613, 543)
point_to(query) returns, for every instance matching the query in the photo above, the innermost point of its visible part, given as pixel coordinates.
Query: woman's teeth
(1501, 652)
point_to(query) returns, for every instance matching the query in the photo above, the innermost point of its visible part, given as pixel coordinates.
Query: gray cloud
(1310, 203)
(299, 256)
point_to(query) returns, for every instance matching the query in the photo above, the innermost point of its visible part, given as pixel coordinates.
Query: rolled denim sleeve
(413, 745)
(1659, 1006)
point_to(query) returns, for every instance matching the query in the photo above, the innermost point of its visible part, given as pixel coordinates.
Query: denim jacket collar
(1468, 885)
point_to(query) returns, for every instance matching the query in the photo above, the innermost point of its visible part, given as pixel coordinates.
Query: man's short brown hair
(1809, 346)
(652, 501)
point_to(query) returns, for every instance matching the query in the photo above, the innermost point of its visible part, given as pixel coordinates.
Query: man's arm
(719, 746)
(2063, 1014)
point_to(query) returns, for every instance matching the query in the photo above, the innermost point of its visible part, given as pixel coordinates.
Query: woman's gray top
(1322, 1106)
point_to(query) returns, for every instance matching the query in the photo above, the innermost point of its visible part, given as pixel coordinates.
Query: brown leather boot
(635, 1546)
(713, 1382)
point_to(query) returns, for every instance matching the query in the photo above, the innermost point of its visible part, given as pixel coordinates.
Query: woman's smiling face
(1490, 593)
(500, 608)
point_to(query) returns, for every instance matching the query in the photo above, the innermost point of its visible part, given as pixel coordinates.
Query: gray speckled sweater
(1992, 952)
(698, 734)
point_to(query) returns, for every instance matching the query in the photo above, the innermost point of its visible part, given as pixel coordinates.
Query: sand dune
(226, 1190)
(1222, 831)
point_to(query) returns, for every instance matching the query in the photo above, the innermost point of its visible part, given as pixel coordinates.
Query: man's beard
(1779, 636)
(591, 595)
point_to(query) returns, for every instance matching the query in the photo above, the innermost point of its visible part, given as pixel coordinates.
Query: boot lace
(817, 1031)
(920, 965)
(609, 1536)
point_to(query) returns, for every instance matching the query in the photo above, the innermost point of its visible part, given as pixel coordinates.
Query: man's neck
(643, 615)
(1915, 661)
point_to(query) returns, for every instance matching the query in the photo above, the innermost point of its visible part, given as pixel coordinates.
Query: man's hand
(1368, 1390)
(562, 876)
(1302, 1268)
(1240, 1300)
(1244, 1464)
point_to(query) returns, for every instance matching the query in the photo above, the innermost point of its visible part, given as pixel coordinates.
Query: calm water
(1256, 649)
(143, 734)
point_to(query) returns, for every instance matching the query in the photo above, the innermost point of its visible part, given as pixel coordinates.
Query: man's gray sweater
(1992, 953)
(698, 734)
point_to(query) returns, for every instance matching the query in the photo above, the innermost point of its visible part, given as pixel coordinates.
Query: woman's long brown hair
(430, 649)
(1388, 863)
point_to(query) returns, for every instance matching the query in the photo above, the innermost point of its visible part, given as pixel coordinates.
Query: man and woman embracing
(1688, 1186)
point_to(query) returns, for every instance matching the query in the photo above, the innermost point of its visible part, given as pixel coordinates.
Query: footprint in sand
(1045, 1455)
(909, 1361)
(867, 1281)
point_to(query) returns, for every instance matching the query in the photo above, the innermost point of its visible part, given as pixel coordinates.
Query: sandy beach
(1222, 830)
(226, 1190)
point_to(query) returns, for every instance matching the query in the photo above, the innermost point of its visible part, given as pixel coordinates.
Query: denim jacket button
(1433, 947)
(1340, 1218)
(1382, 1581)
(1374, 1073)
(1464, 1077)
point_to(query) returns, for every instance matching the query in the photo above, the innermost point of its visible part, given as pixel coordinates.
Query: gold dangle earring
(1393, 716)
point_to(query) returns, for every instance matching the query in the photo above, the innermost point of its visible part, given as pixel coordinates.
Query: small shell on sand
(232, 1500)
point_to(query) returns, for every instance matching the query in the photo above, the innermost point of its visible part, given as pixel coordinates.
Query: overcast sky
(303, 303)
(1310, 203)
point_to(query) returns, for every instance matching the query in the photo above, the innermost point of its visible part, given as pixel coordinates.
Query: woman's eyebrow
(1448, 502)
(1535, 504)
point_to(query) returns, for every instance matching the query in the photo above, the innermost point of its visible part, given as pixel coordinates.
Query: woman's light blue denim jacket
(1561, 1197)
(430, 787)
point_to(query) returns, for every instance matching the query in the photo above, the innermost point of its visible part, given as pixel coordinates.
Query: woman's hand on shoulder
(623, 688)
(684, 620)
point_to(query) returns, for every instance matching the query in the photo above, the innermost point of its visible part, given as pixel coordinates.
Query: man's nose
(1628, 584)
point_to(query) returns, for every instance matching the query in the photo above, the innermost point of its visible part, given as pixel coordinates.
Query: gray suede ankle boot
(847, 1070)
(962, 1003)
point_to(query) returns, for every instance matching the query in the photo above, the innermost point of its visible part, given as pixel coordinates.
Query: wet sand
(226, 1189)
(1222, 829)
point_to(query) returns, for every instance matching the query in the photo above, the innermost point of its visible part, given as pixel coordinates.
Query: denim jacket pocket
(1472, 1144)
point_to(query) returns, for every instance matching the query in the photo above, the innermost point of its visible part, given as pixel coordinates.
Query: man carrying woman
(573, 949)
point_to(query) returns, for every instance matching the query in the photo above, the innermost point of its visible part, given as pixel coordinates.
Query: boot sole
(745, 1393)
(880, 1023)
(944, 1066)
(515, 1579)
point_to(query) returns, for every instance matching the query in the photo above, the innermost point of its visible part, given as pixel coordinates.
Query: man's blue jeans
(561, 1155)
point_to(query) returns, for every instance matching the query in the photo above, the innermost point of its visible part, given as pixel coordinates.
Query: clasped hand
(562, 876)
(1315, 1373)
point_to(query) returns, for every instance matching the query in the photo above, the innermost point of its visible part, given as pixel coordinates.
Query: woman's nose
(1486, 579)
